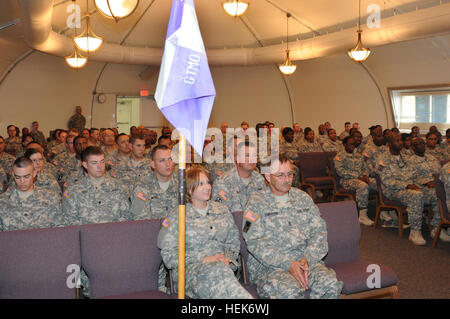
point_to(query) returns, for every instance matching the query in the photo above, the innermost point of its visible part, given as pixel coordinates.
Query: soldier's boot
(364, 219)
(442, 235)
(416, 237)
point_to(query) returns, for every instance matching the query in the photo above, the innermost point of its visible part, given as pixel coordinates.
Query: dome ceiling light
(116, 9)
(287, 68)
(235, 8)
(359, 53)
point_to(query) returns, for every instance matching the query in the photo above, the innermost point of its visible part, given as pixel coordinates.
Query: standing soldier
(286, 240)
(26, 205)
(354, 175)
(37, 135)
(77, 120)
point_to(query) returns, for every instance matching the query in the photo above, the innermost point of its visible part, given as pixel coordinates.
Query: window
(421, 107)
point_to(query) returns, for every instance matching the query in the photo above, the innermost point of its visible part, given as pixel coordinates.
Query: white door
(123, 113)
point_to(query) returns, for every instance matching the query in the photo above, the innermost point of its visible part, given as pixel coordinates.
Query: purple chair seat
(354, 274)
(149, 294)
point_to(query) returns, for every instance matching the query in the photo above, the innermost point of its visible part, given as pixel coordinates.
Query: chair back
(39, 263)
(380, 196)
(313, 164)
(343, 231)
(121, 258)
(334, 175)
(442, 198)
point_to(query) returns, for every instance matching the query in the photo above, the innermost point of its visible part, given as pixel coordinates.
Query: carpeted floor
(423, 272)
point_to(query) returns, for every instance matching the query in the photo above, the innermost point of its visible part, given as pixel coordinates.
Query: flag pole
(181, 217)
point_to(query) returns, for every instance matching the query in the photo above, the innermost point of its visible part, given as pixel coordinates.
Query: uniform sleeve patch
(142, 196)
(114, 174)
(166, 223)
(223, 195)
(251, 216)
(219, 173)
(67, 194)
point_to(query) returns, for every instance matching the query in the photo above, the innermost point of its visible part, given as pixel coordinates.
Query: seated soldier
(354, 175)
(310, 144)
(156, 194)
(123, 150)
(6, 159)
(43, 179)
(67, 162)
(212, 243)
(291, 150)
(433, 149)
(28, 206)
(74, 173)
(332, 144)
(399, 182)
(287, 240)
(407, 145)
(357, 136)
(216, 168)
(60, 145)
(427, 165)
(236, 186)
(445, 178)
(109, 145)
(322, 136)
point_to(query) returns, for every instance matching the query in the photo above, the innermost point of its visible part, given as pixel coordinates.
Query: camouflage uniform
(311, 147)
(7, 162)
(299, 138)
(291, 150)
(13, 145)
(349, 167)
(3, 179)
(437, 152)
(66, 163)
(278, 234)
(216, 170)
(41, 210)
(59, 148)
(321, 139)
(407, 152)
(396, 173)
(332, 146)
(118, 159)
(230, 190)
(77, 121)
(371, 154)
(130, 171)
(39, 137)
(85, 203)
(208, 233)
(426, 166)
(150, 201)
(445, 178)
(51, 169)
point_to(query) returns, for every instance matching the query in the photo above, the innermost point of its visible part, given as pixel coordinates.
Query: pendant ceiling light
(359, 53)
(116, 9)
(235, 8)
(287, 68)
(76, 60)
(87, 40)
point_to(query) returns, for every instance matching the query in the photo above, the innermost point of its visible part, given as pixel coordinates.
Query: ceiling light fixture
(359, 53)
(76, 60)
(235, 8)
(287, 68)
(116, 9)
(87, 40)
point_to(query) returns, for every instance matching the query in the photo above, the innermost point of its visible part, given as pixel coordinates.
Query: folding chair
(338, 190)
(313, 172)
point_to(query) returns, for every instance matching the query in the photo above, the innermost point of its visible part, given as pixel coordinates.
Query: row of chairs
(317, 172)
(122, 259)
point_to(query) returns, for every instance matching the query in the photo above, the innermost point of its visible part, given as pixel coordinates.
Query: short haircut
(345, 140)
(91, 150)
(405, 136)
(158, 147)
(431, 133)
(352, 133)
(135, 137)
(25, 136)
(34, 122)
(118, 136)
(77, 138)
(282, 158)
(306, 131)
(93, 129)
(163, 137)
(286, 130)
(22, 162)
(11, 125)
(73, 129)
(193, 179)
(33, 142)
(329, 130)
(347, 123)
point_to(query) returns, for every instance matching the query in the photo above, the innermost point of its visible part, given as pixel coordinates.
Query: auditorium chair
(122, 259)
(314, 174)
(38, 263)
(443, 209)
(343, 235)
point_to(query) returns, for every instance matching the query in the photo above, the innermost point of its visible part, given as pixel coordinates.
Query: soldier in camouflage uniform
(137, 166)
(298, 134)
(67, 162)
(289, 148)
(43, 178)
(123, 150)
(332, 144)
(6, 160)
(96, 197)
(322, 136)
(212, 243)
(310, 144)
(373, 151)
(13, 142)
(109, 145)
(28, 206)
(354, 175)
(427, 165)
(3, 179)
(445, 178)
(77, 120)
(398, 182)
(433, 149)
(37, 135)
(156, 195)
(407, 150)
(236, 186)
(287, 239)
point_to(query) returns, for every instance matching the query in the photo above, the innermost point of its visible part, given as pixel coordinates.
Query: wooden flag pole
(181, 217)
